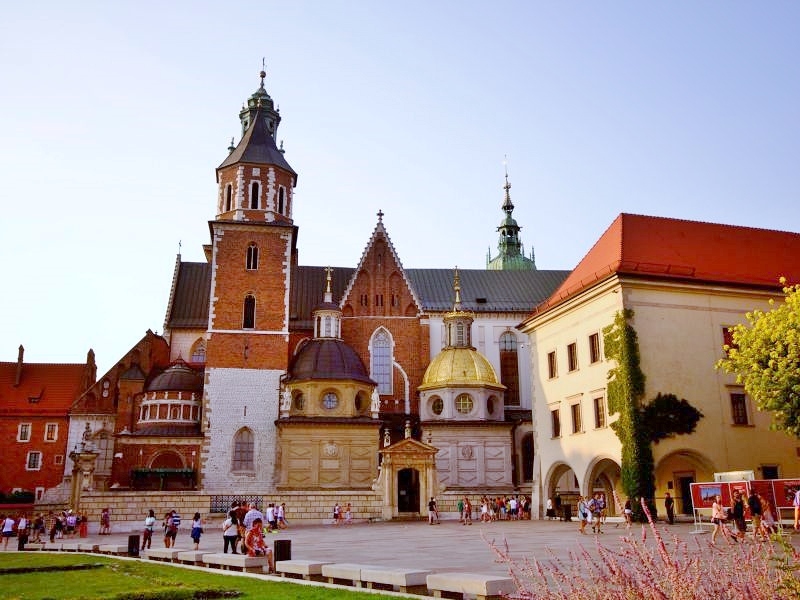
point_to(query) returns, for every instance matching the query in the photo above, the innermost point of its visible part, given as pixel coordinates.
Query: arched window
(252, 257)
(381, 360)
(509, 368)
(228, 197)
(254, 189)
(199, 352)
(281, 199)
(249, 320)
(243, 450)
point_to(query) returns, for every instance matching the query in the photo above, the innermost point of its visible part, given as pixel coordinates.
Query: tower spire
(509, 245)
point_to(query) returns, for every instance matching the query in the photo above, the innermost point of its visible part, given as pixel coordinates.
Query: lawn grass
(137, 579)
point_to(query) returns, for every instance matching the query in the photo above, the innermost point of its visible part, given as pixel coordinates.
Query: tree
(765, 356)
(625, 392)
(665, 417)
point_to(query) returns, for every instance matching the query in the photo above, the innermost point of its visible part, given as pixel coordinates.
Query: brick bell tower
(253, 245)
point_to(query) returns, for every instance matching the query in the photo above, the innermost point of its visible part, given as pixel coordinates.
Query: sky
(115, 115)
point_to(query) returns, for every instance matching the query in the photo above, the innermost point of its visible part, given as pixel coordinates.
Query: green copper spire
(511, 255)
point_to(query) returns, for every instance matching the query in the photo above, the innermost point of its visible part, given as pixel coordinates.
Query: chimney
(19, 365)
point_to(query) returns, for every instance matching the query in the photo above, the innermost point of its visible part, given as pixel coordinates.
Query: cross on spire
(380, 216)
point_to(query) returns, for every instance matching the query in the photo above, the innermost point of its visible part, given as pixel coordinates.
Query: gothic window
(252, 257)
(381, 359)
(228, 197)
(243, 450)
(509, 368)
(254, 189)
(249, 320)
(281, 199)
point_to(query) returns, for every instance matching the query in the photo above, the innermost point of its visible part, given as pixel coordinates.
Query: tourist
(105, 522)
(628, 512)
(460, 509)
(230, 532)
(550, 512)
(72, 522)
(596, 508)
(768, 523)
(22, 531)
(348, 514)
(197, 530)
(433, 513)
(796, 504)
(737, 512)
(717, 518)
(255, 544)
(170, 529)
(756, 512)
(281, 513)
(669, 504)
(251, 515)
(8, 529)
(272, 523)
(337, 513)
(147, 532)
(467, 511)
(584, 514)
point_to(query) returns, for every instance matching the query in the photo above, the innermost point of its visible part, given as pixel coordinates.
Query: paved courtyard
(449, 546)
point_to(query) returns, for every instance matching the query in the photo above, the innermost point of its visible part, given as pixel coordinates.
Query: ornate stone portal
(84, 461)
(407, 479)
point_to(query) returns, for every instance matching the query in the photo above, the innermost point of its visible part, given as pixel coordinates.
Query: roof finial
(457, 290)
(263, 72)
(179, 247)
(508, 206)
(328, 271)
(231, 148)
(380, 216)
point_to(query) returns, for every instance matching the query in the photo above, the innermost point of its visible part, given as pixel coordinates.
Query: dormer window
(252, 257)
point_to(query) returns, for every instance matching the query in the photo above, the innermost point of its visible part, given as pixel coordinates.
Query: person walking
(105, 522)
(170, 530)
(669, 504)
(280, 510)
(197, 530)
(756, 512)
(584, 514)
(149, 527)
(796, 505)
(737, 511)
(717, 518)
(8, 529)
(230, 533)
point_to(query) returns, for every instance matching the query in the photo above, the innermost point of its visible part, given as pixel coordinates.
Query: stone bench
(237, 562)
(410, 581)
(114, 549)
(345, 573)
(457, 585)
(192, 557)
(69, 546)
(164, 554)
(309, 570)
(34, 546)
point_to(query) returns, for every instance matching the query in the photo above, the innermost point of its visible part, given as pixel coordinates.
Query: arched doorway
(408, 491)
(604, 477)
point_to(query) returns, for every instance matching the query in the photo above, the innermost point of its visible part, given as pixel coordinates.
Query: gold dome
(459, 367)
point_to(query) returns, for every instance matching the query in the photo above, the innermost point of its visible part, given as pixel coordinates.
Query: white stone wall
(181, 343)
(235, 398)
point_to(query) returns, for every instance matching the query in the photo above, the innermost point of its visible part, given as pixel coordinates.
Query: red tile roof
(54, 385)
(663, 248)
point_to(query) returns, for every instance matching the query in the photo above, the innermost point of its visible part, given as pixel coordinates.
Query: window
(330, 400)
(39, 493)
(437, 405)
(594, 348)
(552, 365)
(572, 357)
(249, 320)
(727, 339)
(281, 200)
(252, 257)
(254, 189)
(491, 401)
(555, 420)
(51, 432)
(599, 412)
(34, 461)
(527, 457)
(228, 197)
(58, 459)
(464, 404)
(24, 432)
(299, 402)
(739, 408)
(381, 357)
(199, 353)
(509, 369)
(769, 471)
(577, 426)
(364, 300)
(243, 450)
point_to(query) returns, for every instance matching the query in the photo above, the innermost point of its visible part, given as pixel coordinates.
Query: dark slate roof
(180, 377)
(502, 291)
(308, 288)
(327, 359)
(257, 146)
(190, 303)
(483, 290)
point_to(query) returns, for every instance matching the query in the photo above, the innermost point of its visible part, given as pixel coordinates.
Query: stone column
(82, 475)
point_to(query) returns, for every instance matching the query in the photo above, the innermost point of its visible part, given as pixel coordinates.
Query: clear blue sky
(114, 115)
